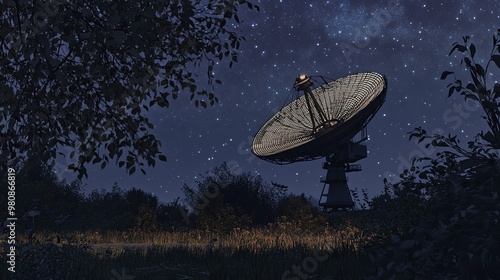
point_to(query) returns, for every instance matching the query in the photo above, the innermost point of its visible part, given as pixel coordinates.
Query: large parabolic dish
(320, 121)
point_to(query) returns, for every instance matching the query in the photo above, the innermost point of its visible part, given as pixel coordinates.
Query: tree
(81, 74)
(144, 207)
(455, 196)
(42, 200)
(112, 208)
(169, 215)
(483, 150)
(298, 210)
(225, 200)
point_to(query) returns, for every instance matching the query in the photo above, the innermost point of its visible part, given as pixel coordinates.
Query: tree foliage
(479, 90)
(223, 200)
(82, 74)
(299, 210)
(42, 200)
(453, 201)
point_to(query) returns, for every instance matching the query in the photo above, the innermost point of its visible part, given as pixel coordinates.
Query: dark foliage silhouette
(82, 74)
(224, 200)
(453, 201)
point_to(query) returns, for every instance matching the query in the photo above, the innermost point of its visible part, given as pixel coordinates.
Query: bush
(223, 200)
(299, 210)
(454, 200)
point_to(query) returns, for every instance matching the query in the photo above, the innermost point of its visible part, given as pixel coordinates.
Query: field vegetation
(439, 221)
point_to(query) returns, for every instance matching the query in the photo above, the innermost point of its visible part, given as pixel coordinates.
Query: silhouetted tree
(42, 200)
(299, 210)
(144, 207)
(170, 215)
(112, 209)
(455, 198)
(232, 200)
(81, 74)
(137, 197)
(121, 210)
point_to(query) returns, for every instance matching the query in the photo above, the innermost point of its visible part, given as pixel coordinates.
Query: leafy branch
(478, 90)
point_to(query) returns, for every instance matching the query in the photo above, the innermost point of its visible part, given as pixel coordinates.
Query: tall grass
(264, 253)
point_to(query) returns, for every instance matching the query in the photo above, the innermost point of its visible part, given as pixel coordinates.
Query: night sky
(287, 38)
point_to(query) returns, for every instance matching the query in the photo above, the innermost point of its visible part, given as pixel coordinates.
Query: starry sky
(408, 41)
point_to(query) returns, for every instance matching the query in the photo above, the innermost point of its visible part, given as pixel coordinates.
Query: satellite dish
(322, 122)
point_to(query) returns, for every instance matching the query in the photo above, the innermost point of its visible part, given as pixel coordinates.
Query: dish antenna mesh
(316, 113)
(322, 123)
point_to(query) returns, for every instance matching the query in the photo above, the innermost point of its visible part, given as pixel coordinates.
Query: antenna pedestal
(337, 195)
(324, 122)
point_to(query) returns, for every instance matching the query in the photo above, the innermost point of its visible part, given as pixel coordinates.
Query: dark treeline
(47, 203)
(439, 221)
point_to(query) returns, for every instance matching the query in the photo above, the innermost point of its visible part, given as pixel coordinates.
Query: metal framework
(335, 194)
(322, 119)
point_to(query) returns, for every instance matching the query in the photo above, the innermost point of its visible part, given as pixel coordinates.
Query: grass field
(275, 252)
